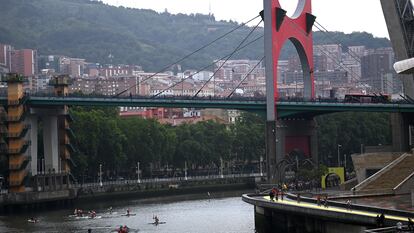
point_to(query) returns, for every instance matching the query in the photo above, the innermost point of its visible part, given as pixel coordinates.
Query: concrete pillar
(400, 124)
(282, 133)
(51, 143)
(32, 134)
(271, 150)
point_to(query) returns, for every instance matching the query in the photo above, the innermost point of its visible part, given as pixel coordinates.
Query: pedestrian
(318, 200)
(271, 195)
(382, 219)
(281, 194)
(349, 205)
(326, 201)
(410, 224)
(298, 198)
(277, 194)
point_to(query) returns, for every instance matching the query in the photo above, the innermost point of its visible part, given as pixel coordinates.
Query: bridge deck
(363, 214)
(284, 108)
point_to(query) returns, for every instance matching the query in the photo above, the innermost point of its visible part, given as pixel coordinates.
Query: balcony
(3, 130)
(16, 116)
(72, 163)
(70, 132)
(21, 150)
(18, 162)
(70, 147)
(19, 134)
(69, 117)
(17, 178)
(17, 102)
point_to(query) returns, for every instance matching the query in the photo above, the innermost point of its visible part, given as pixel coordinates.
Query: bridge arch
(295, 12)
(305, 63)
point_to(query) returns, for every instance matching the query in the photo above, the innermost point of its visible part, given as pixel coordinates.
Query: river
(221, 213)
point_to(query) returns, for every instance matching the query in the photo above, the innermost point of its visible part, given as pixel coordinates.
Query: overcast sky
(336, 15)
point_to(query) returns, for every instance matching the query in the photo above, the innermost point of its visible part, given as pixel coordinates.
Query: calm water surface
(190, 213)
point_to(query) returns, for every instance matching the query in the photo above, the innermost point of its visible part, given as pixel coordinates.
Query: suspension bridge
(289, 125)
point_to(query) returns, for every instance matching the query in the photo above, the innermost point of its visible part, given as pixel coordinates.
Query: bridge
(290, 124)
(297, 108)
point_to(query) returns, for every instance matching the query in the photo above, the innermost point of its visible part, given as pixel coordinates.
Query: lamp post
(100, 175)
(221, 168)
(339, 156)
(185, 170)
(261, 166)
(138, 178)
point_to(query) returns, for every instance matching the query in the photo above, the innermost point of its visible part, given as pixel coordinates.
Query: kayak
(154, 223)
(88, 217)
(128, 215)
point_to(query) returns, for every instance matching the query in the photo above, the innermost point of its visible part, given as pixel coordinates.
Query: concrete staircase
(392, 176)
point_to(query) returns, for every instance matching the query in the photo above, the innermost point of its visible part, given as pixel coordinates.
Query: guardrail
(399, 213)
(375, 176)
(389, 230)
(167, 180)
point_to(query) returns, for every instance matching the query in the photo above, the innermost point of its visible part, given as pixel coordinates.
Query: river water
(188, 213)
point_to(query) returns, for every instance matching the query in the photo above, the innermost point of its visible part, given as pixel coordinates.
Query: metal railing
(390, 230)
(166, 180)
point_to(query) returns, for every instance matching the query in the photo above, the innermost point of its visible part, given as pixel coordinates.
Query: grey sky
(335, 15)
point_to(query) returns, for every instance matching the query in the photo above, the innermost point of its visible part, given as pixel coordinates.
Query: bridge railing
(166, 180)
(389, 230)
(360, 207)
(208, 98)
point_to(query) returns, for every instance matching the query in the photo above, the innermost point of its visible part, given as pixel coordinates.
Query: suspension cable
(205, 67)
(247, 75)
(351, 53)
(238, 46)
(337, 62)
(189, 55)
(332, 38)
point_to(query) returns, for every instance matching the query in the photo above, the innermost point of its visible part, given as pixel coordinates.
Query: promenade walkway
(331, 208)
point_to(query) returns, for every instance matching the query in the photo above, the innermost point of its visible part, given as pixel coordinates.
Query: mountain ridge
(93, 30)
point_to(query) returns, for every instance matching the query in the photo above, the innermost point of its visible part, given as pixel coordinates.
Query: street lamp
(339, 157)
(100, 175)
(138, 179)
(261, 166)
(221, 168)
(185, 170)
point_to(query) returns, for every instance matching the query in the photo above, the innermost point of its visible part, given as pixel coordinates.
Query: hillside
(92, 30)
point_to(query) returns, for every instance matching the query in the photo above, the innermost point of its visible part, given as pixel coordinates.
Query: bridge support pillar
(33, 137)
(51, 143)
(402, 131)
(290, 142)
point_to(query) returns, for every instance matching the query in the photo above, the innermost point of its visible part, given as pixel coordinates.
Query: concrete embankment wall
(163, 189)
(46, 199)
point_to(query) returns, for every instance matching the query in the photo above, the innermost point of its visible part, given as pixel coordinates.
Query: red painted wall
(298, 142)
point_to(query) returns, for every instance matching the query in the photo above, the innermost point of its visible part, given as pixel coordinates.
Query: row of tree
(118, 144)
(102, 137)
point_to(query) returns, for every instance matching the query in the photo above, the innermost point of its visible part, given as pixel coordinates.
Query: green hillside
(92, 30)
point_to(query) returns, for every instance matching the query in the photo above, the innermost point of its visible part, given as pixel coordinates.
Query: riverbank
(43, 200)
